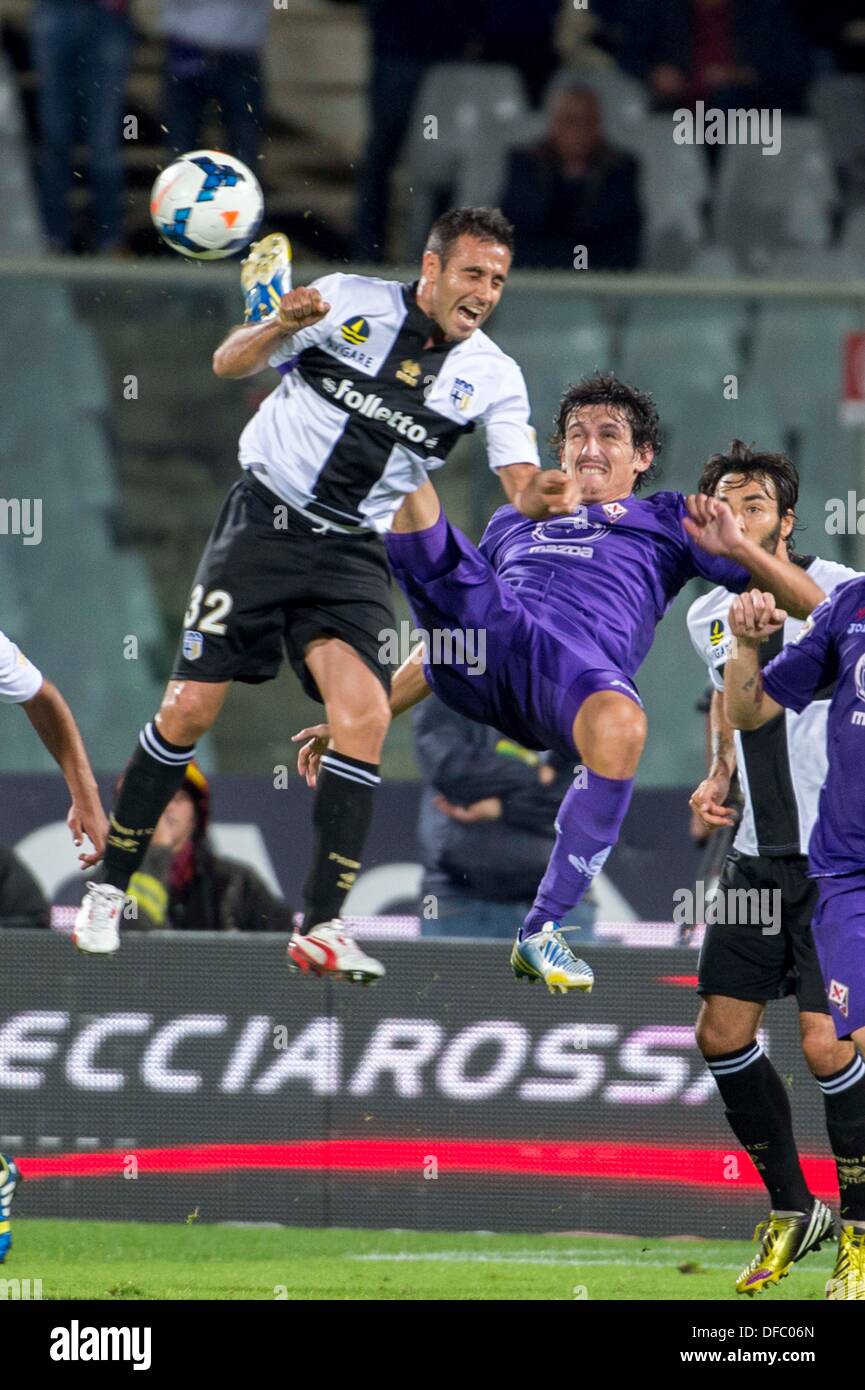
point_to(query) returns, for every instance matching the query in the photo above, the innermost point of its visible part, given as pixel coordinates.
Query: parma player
(828, 652)
(569, 607)
(781, 768)
(378, 381)
(21, 683)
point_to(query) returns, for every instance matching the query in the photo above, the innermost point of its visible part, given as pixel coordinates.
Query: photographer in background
(486, 825)
(182, 884)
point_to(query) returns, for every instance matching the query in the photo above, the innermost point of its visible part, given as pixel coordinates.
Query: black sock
(758, 1112)
(341, 817)
(844, 1099)
(156, 770)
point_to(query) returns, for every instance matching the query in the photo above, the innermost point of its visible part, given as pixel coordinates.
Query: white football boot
(97, 925)
(327, 951)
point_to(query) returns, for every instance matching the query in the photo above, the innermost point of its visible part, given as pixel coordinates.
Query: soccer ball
(207, 205)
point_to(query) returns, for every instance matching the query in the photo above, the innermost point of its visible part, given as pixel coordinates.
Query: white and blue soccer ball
(207, 205)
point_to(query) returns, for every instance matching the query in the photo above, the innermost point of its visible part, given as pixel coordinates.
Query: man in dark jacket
(574, 190)
(184, 885)
(486, 825)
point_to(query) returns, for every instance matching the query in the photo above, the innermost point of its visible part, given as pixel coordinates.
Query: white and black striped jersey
(783, 765)
(19, 678)
(365, 410)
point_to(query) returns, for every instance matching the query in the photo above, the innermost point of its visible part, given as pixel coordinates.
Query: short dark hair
(487, 224)
(638, 408)
(754, 463)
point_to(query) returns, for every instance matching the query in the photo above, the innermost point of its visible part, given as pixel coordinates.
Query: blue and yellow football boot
(848, 1276)
(265, 276)
(9, 1180)
(547, 956)
(784, 1240)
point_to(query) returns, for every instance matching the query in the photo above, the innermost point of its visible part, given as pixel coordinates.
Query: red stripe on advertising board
(694, 1167)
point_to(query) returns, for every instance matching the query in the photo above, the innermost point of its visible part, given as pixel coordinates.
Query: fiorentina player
(378, 382)
(569, 607)
(742, 966)
(829, 651)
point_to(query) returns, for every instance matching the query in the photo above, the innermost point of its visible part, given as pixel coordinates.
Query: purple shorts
(490, 657)
(839, 935)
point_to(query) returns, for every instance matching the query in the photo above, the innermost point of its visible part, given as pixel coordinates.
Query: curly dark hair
(764, 467)
(637, 407)
(487, 224)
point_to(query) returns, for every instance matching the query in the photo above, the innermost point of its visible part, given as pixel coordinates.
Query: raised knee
(186, 712)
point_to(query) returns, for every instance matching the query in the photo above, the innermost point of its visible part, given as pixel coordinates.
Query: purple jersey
(611, 571)
(831, 648)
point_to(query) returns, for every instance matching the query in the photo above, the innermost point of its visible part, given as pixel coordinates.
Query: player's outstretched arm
(753, 618)
(53, 721)
(712, 525)
(708, 800)
(409, 687)
(248, 348)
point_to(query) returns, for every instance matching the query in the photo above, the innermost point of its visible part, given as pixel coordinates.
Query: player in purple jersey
(568, 607)
(830, 648)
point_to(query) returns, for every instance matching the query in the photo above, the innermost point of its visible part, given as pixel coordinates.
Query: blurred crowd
(543, 107)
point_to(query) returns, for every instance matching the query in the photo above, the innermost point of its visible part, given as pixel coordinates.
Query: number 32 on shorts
(219, 604)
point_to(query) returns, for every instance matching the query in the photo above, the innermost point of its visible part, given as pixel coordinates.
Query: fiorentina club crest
(613, 510)
(839, 995)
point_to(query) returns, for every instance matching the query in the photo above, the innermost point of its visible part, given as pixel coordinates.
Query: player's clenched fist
(754, 616)
(550, 493)
(301, 308)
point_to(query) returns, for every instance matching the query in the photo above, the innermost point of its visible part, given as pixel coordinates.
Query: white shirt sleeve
(510, 436)
(711, 646)
(330, 287)
(19, 678)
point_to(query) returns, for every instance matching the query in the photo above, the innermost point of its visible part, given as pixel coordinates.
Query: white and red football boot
(97, 923)
(328, 951)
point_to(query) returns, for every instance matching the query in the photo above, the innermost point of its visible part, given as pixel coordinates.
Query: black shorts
(744, 961)
(268, 581)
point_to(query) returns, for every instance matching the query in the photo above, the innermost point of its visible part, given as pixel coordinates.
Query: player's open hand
(550, 493)
(88, 818)
(301, 308)
(310, 755)
(754, 616)
(711, 524)
(707, 803)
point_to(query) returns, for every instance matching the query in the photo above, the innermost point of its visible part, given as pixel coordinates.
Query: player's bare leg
(610, 731)
(155, 771)
(758, 1111)
(358, 715)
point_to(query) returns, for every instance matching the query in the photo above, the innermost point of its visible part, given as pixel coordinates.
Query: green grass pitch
(122, 1261)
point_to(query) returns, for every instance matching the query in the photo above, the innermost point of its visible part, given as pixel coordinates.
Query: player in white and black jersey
(378, 381)
(744, 964)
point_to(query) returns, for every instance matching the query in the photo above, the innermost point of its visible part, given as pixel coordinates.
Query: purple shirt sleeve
(806, 664)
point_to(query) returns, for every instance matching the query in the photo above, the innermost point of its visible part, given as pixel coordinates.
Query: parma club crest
(192, 645)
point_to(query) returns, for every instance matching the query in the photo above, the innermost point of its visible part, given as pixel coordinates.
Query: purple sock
(588, 824)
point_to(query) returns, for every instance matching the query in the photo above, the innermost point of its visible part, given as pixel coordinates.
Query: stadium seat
(818, 263)
(474, 105)
(675, 348)
(796, 357)
(624, 100)
(764, 202)
(838, 101)
(674, 186)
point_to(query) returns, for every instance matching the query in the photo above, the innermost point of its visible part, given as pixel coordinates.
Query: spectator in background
(400, 54)
(728, 53)
(574, 189)
(182, 884)
(486, 825)
(82, 50)
(22, 902)
(214, 55)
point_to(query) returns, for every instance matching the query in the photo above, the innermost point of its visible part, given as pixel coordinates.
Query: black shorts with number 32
(269, 582)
